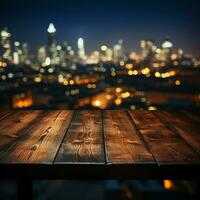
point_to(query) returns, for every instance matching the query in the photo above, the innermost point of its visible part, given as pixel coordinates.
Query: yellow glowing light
(121, 63)
(71, 82)
(172, 73)
(65, 82)
(168, 184)
(177, 82)
(130, 72)
(118, 101)
(174, 56)
(3, 77)
(37, 79)
(135, 72)
(164, 75)
(118, 90)
(129, 65)
(125, 95)
(146, 71)
(157, 74)
(97, 103)
(104, 47)
(152, 108)
(175, 63)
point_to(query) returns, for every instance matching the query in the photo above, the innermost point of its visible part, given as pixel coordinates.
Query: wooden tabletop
(66, 144)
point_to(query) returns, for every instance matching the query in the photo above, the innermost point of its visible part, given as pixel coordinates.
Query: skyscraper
(167, 50)
(52, 44)
(81, 49)
(118, 52)
(5, 45)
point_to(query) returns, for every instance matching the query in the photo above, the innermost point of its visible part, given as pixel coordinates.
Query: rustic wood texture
(83, 142)
(40, 142)
(166, 146)
(64, 144)
(186, 128)
(122, 142)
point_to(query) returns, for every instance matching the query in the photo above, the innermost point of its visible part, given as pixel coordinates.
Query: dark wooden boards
(83, 142)
(187, 129)
(122, 143)
(166, 146)
(63, 144)
(40, 142)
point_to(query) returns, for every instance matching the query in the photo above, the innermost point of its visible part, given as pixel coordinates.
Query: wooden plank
(39, 143)
(4, 114)
(166, 146)
(83, 142)
(122, 143)
(13, 126)
(184, 127)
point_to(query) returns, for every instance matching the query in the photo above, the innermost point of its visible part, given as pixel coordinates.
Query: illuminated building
(5, 45)
(42, 54)
(118, 52)
(106, 54)
(81, 49)
(148, 49)
(52, 45)
(25, 54)
(20, 53)
(166, 50)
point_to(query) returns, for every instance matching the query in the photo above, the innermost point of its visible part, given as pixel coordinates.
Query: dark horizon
(104, 22)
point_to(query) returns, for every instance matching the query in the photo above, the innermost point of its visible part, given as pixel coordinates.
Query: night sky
(105, 21)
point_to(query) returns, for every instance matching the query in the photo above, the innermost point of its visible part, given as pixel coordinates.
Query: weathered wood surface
(83, 142)
(106, 144)
(122, 143)
(166, 146)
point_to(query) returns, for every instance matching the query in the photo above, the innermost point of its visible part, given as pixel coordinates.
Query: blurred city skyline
(100, 22)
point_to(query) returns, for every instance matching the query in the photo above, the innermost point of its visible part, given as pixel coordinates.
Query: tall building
(17, 53)
(52, 52)
(148, 49)
(42, 54)
(5, 45)
(81, 49)
(25, 53)
(166, 50)
(118, 52)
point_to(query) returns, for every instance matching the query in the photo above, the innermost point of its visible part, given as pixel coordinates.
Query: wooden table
(65, 144)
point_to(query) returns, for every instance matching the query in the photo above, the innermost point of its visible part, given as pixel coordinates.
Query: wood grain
(122, 143)
(185, 127)
(166, 146)
(14, 126)
(83, 142)
(39, 143)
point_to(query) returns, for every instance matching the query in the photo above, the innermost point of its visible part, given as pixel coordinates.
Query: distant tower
(81, 49)
(118, 52)
(167, 49)
(147, 50)
(5, 45)
(52, 44)
(42, 55)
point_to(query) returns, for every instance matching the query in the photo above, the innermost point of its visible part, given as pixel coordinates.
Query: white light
(167, 44)
(80, 43)
(15, 58)
(5, 33)
(51, 28)
(59, 47)
(16, 43)
(47, 61)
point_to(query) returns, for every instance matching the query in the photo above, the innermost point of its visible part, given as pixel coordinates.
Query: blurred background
(100, 55)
